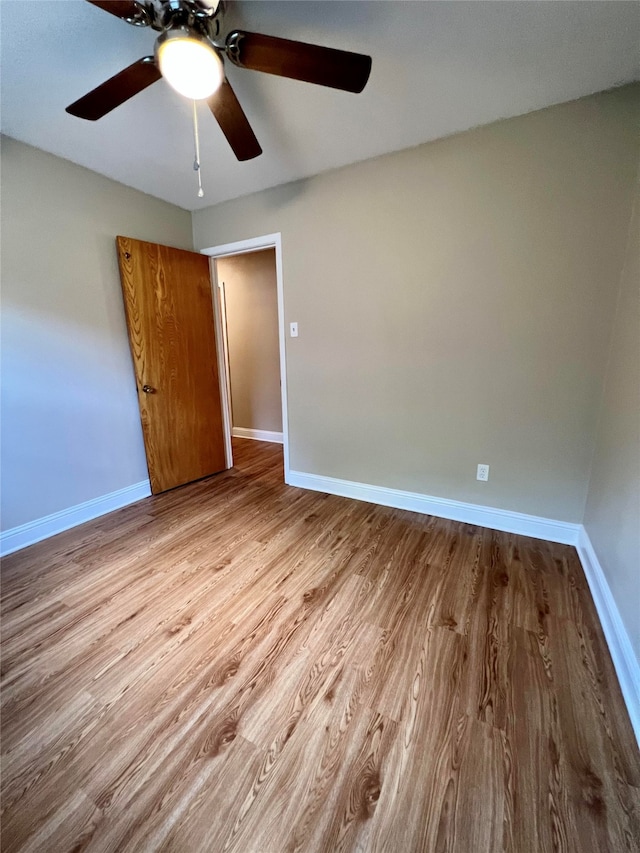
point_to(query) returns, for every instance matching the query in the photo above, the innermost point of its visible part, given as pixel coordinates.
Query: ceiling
(438, 68)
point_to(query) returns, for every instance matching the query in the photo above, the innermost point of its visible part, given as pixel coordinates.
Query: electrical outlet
(483, 473)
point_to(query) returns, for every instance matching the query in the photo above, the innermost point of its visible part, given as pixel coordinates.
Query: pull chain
(196, 139)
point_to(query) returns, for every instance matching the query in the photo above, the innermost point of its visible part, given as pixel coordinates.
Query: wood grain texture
(237, 665)
(169, 309)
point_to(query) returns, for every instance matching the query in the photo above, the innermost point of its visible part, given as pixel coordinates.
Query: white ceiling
(438, 68)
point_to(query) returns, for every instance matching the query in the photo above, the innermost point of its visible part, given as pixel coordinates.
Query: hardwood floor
(242, 666)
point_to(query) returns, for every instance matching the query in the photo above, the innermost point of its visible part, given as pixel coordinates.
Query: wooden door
(169, 309)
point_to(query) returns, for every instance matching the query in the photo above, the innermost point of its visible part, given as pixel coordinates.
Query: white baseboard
(257, 434)
(484, 516)
(624, 660)
(42, 528)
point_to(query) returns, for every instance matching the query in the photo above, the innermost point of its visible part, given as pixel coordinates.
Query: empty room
(320, 426)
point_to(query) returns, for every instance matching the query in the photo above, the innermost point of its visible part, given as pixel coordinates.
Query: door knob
(148, 389)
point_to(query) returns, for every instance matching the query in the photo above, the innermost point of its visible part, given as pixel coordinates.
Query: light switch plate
(293, 330)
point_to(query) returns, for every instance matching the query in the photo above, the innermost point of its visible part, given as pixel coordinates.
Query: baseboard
(495, 519)
(42, 528)
(624, 660)
(257, 434)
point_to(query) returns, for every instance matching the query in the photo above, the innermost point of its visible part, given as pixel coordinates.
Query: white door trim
(241, 247)
(222, 351)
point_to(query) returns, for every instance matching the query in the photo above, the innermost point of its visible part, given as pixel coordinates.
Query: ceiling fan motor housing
(203, 16)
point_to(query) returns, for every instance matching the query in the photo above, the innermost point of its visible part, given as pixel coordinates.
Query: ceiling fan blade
(116, 90)
(324, 66)
(126, 9)
(234, 124)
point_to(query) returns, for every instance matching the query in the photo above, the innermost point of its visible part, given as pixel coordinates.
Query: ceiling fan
(190, 57)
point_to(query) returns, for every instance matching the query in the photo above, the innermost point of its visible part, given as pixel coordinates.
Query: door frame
(243, 247)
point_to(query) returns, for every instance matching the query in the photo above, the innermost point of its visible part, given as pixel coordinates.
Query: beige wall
(612, 516)
(452, 305)
(252, 330)
(70, 422)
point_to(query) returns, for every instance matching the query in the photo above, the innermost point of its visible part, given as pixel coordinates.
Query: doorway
(253, 387)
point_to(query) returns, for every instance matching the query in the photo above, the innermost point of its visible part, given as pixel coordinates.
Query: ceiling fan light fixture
(189, 63)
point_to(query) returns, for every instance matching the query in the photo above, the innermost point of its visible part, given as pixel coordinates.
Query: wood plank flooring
(238, 665)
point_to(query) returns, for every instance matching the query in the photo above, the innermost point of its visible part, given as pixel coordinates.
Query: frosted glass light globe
(190, 65)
